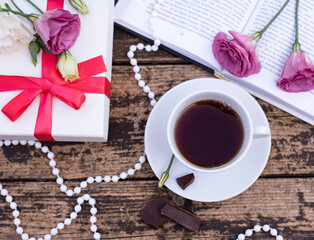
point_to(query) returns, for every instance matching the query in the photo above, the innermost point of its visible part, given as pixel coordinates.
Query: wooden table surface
(283, 196)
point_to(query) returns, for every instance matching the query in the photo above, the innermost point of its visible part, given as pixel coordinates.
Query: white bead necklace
(258, 228)
(115, 178)
(69, 192)
(87, 198)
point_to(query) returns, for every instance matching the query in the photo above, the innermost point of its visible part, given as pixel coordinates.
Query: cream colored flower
(67, 66)
(15, 32)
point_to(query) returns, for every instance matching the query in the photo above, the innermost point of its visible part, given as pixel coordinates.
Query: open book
(189, 26)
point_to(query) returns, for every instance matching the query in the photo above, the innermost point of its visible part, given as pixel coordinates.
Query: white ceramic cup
(249, 131)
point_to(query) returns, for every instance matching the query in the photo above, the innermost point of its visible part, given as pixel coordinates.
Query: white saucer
(207, 187)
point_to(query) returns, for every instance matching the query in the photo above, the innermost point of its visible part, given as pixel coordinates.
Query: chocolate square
(186, 180)
(181, 216)
(151, 215)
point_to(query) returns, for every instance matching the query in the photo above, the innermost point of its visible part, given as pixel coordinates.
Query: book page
(187, 26)
(276, 45)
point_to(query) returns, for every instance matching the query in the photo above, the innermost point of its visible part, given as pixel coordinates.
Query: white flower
(15, 32)
(67, 66)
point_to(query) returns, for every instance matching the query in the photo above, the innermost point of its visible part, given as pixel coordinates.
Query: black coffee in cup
(209, 133)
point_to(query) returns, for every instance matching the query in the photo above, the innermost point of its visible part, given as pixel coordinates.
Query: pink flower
(58, 29)
(239, 55)
(297, 74)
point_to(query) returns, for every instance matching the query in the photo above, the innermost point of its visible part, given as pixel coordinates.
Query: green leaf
(42, 44)
(34, 49)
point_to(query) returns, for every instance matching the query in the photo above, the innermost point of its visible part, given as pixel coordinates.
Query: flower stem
(165, 174)
(16, 6)
(296, 45)
(34, 5)
(260, 33)
(17, 13)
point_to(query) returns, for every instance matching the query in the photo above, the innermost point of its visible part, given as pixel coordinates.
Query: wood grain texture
(282, 197)
(122, 43)
(292, 139)
(287, 204)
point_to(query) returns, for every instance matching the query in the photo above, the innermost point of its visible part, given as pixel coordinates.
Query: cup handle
(261, 131)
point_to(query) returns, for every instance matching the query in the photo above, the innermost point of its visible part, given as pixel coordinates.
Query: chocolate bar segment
(185, 181)
(181, 216)
(151, 215)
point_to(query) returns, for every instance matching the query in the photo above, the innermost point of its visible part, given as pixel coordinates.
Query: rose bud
(238, 55)
(58, 29)
(80, 6)
(298, 73)
(67, 66)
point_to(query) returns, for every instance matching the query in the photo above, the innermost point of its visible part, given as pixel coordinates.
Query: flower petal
(297, 74)
(58, 29)
(239, 55)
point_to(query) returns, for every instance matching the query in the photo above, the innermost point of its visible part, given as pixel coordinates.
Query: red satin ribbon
(52, 83)
(52, 4)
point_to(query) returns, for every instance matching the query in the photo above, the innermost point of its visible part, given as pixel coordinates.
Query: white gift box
(91, 121)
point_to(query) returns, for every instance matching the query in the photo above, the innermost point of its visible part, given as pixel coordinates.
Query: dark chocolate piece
(185, 181)
(151, 215)
(181, 216)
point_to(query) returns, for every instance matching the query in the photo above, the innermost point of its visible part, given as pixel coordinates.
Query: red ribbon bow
(51, 83)
(73, 94)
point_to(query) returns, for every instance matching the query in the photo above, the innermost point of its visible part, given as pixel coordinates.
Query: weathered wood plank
(287, 204)
(292, 139)
(122, 43)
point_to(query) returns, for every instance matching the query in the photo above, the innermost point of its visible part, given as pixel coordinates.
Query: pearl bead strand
(60, 226)
(258, 228)
(80, 200)
(90, 180)
(147, 48)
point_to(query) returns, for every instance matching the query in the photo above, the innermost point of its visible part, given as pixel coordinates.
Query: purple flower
(239, 55)
(58, 29)
(297, 74)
